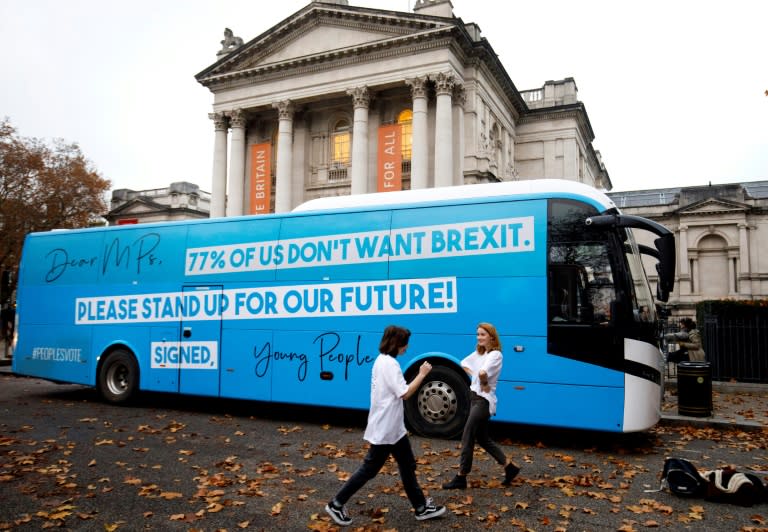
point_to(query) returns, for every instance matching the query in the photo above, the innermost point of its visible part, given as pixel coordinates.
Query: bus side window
(602, 295)
(568, 301)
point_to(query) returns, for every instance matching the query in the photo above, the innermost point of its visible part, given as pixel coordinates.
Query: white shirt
(491, 362)
(386, 422)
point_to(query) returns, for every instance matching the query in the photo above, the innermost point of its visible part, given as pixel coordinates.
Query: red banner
(390, 159)
(261, 178)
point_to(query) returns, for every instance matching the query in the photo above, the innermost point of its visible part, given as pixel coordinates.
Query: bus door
(200, 340)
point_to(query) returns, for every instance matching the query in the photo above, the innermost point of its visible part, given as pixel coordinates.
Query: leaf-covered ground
(68, 461)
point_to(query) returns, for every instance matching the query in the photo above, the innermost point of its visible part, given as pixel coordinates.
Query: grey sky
(674, 89)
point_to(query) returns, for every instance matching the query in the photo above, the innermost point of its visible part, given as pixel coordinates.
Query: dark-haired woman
(386, 432)
(688, 341)
(483, 367)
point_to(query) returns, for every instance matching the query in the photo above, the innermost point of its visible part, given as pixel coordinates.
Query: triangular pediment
(321, 39)
(138, 206)
(713, 206)
(321, 31)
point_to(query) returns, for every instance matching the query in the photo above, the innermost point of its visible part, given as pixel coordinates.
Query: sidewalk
(735, 405)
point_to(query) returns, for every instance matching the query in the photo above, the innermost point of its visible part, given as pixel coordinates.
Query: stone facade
(180, 201)
(318, 88)
(721, 232)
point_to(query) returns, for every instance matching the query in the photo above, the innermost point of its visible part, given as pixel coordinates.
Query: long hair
(494, 344)
(393, 339)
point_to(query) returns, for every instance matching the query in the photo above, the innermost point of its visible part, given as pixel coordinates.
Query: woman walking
(386, 430)
(484, 367)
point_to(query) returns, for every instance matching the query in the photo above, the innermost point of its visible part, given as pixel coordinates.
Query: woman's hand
(425, 368)
(483, 377)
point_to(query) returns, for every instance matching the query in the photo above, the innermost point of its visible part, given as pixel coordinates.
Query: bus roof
(533, 187)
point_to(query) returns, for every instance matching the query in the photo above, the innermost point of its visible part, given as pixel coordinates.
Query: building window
(340, 144)
(405, 119)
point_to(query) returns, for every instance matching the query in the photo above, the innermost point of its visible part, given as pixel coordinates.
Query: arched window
(340, 143)
(405, 119)
(713, 277)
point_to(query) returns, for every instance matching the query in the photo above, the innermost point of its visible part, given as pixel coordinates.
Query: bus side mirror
(666, 266)
(661, 293)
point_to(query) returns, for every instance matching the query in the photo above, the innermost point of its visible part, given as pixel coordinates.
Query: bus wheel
(440, 406)
(118, 377)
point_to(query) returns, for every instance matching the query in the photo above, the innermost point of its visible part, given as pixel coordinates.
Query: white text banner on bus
(505, 235)
(408, 296)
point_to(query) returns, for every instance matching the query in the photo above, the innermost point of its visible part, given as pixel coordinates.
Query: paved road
(70, 461)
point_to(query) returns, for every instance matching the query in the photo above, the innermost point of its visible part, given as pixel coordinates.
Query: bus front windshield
(643, 307)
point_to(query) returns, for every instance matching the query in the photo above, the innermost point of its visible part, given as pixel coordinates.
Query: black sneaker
(510, 472)
(429, 510)
(338, 514)
(458, 483)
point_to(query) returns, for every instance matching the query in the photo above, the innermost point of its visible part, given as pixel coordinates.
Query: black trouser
(372, 464)
(681, 355)
(476, 430)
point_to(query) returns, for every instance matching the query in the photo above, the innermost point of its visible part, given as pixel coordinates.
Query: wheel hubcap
(437, 402)
(117, 379)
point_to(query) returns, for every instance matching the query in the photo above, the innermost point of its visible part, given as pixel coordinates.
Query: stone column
(419, 149)
(236, 163)
(683, 272)
(695, 281)
(444, 84)
(731, 276)
(745, 287)
(361, 101)
(284, 151)
(459, 99)
(219, 181)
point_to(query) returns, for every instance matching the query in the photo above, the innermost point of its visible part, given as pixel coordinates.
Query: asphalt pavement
(173, 463)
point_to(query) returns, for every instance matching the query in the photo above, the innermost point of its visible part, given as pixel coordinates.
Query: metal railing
(737, 348)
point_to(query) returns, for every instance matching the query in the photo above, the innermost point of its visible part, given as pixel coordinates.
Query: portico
(314, 94)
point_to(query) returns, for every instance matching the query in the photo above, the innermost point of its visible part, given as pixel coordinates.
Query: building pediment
(320, 32)
(712, 206)
(138, 206)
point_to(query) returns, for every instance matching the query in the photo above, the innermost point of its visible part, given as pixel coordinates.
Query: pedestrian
(386, 432)
(688, 340)
(484, 367)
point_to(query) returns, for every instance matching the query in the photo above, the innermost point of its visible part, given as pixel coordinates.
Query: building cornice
(575, 111)
(316, 63)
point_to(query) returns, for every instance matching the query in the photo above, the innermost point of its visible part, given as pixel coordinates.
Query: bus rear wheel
(118, 377)
(440, 406)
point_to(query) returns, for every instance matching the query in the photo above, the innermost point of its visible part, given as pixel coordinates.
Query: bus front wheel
(440, 406)
(118, 377)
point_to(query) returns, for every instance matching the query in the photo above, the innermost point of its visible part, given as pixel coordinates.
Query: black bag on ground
(725, 485)
(683, 478)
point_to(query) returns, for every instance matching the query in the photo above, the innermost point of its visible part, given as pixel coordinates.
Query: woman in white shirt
(483, 367)
(386, 430)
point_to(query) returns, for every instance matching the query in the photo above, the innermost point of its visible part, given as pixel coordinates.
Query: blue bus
(289, 308)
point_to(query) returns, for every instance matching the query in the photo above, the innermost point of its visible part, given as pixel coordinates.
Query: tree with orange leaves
(43, 186)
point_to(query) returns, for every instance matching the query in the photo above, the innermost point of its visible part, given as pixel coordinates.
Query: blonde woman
(483, 367)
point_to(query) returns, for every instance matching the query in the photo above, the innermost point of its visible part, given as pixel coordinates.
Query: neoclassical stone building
(338, 99)
(179, 201)
(721, 232)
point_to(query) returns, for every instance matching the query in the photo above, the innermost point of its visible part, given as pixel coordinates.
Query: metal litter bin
(694, 389)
